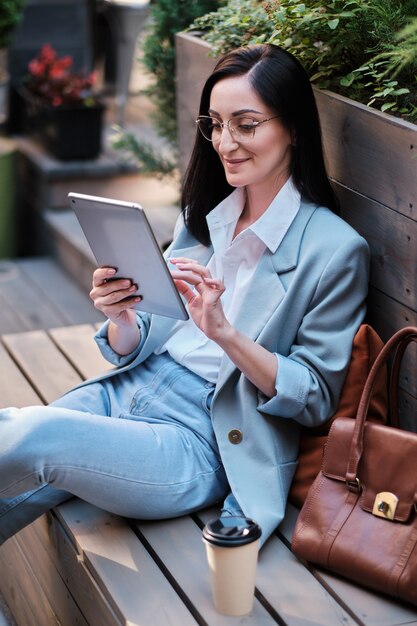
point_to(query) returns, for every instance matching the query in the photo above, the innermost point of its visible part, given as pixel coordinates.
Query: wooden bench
(80, 566)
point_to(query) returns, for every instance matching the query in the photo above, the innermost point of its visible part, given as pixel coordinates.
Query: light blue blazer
(305, 304)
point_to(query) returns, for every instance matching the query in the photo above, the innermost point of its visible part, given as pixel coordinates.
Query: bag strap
(397, 345)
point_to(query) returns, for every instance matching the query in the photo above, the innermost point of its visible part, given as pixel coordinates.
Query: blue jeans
(139, 444)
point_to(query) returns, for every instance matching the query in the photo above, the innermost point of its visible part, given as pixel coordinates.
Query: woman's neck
(257, 202)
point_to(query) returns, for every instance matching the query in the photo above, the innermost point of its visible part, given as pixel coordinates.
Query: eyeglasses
(241, 128)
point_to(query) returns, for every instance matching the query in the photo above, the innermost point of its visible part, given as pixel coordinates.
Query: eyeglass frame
(227, 125)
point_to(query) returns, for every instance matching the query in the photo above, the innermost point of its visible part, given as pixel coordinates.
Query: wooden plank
(55, 285)
(393, 242)
(78, 345)
(123, 570)
(387, 316)
(407, 411)
(23, 297)
(170, 538)
(81, 585)
(21, 590)
(373, 609)
(10, 321)
(48, 576)
(369, 151)
(42, 363)
(14, 388)
(289, 587)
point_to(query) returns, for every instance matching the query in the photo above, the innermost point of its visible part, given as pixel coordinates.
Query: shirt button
(235, 436)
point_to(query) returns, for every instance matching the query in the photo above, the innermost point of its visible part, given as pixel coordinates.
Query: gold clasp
(385, 505)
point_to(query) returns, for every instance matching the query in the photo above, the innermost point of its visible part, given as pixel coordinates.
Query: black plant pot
(67, 132)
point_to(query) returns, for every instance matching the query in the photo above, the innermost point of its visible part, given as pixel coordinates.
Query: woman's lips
(234, 163)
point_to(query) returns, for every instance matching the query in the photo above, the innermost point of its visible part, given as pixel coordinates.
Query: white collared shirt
(235, 262)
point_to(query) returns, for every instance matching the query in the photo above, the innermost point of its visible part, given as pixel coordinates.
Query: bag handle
(398, 343)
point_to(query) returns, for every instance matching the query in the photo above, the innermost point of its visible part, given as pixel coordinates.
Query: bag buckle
(385, 505)
(354, 485)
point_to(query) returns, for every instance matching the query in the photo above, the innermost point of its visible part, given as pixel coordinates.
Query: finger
(113, 310)
(215, 283)
(185, 290)
(114, 291)
(102, 274)
(181, 259)
(192, 266)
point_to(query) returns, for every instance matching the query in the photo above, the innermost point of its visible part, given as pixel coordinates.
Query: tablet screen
(120, 236)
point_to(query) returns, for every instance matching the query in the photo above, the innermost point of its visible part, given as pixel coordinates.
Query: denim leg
(19, 511)
(149, 460)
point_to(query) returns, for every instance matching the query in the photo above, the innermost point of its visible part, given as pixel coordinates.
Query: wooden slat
(81, 585)
(78, 345)
(121, 567)
(171, 538)
(14, 388)
(407, 411)
(393, 242)
(48, 576)
(42, 363)
(289, 587)
(21, 590)
(54, 285)
(369, 151)
(10, 320)
(373, 609)
(23, 297)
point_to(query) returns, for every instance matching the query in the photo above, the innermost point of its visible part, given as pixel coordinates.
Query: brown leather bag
(366, 346)
(360, 515)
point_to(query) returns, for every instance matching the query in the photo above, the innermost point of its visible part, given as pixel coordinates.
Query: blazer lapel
(266, 290)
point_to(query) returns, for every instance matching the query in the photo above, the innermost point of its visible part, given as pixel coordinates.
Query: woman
(209, 410)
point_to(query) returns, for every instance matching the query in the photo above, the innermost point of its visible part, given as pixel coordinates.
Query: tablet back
(120, 236)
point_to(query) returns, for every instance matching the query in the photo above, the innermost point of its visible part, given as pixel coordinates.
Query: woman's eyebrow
(236, 113)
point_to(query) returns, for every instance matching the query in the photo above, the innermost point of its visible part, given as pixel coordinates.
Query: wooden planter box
(372, 159)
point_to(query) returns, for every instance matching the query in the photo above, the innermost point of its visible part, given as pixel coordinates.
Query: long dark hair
(283, 85)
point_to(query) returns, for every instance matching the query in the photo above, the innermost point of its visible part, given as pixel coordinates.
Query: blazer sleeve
(310, 378)
(102, 341)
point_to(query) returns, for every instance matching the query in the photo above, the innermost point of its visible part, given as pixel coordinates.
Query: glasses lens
(205, 124)
(242, 127)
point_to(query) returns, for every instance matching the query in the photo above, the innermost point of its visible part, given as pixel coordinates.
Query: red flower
(50, 79)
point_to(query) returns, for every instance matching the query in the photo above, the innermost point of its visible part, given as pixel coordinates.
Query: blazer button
(235, 436)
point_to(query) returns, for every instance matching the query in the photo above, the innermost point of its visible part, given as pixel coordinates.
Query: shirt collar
(272, 226)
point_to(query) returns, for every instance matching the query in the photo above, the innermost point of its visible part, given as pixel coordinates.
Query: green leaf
(332, 24)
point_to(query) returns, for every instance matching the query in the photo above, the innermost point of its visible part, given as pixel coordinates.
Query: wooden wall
(372, 160)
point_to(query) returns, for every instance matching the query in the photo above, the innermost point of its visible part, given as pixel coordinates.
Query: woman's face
(261, 160)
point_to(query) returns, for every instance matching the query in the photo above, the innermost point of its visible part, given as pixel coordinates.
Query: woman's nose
(227, 140)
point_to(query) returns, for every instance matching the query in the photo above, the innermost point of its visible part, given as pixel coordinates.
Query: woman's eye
(246, 126)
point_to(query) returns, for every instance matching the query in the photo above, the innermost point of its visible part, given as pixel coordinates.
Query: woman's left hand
(202, 293)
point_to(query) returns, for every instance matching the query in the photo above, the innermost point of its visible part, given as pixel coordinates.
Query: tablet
(120, 236)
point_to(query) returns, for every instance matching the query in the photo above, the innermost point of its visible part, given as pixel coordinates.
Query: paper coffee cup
(232, 545)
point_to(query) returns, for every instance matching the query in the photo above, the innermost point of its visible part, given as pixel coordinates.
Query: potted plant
(10, 14)
(61, 109)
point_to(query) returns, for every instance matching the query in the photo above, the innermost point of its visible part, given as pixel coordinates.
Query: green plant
(364, 49)
(240, 22)
(10, 14)
(145, 155)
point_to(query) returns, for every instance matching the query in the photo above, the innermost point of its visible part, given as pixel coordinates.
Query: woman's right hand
(114, 297)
